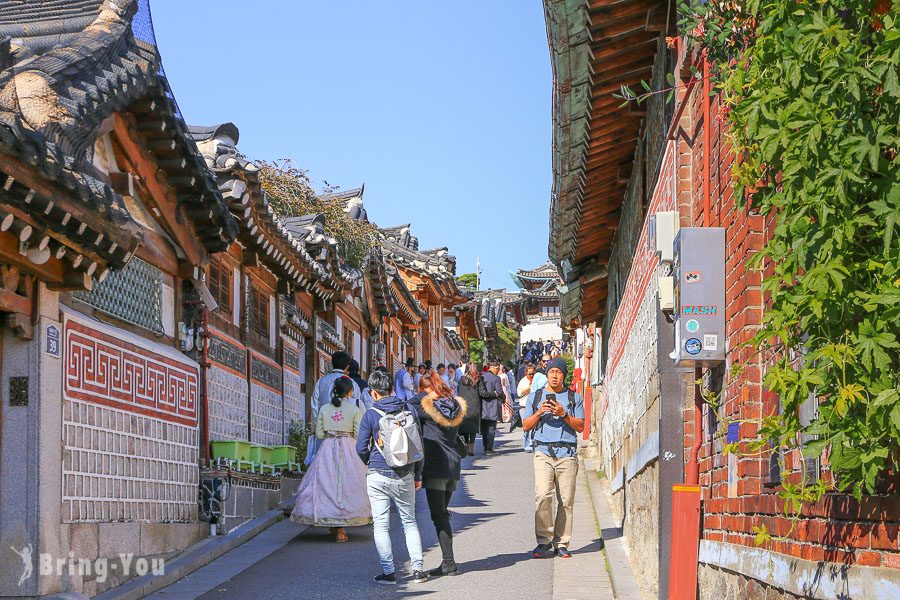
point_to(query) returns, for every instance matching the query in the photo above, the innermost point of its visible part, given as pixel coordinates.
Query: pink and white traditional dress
(333, 491)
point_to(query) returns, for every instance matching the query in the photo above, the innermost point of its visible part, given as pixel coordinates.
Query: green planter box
(261, 454)
(232, 449)
(283, 454)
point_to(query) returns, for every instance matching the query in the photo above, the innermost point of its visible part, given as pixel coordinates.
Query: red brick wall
(838, 528)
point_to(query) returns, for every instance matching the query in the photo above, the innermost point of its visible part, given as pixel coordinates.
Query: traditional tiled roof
(437, 263)
(64, 68)
(293, 248)
(545, 271)
(453, 338)
(353, 202)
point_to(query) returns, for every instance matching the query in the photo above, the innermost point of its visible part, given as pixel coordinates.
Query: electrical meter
(699, 271)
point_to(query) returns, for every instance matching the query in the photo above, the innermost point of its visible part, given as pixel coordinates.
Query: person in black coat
(441, 414)
(468, 390)
(491, 393)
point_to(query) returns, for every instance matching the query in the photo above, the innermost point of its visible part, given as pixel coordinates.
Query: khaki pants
(554, 477)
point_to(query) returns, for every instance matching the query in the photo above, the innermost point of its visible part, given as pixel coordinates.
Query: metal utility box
(699, 269)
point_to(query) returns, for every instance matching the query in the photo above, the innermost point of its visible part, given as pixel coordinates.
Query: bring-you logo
(125, 565)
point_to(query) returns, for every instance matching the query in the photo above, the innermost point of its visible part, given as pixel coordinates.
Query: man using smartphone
(555, 415)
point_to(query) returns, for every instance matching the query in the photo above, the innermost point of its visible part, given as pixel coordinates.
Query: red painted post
(685, 542)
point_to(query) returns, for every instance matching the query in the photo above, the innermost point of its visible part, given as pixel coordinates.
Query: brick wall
(738, 493)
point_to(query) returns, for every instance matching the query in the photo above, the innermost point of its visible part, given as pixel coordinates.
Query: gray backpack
(399, 439)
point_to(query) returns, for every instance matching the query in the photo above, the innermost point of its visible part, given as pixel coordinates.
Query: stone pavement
(493, 519)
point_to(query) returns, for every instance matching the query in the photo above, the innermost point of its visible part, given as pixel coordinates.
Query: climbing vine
(290, 192)
(811, 94)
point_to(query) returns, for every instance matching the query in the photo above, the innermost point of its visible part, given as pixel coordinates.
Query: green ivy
(810, 90)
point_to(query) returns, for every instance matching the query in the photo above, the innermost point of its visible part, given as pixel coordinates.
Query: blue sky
(442, 108)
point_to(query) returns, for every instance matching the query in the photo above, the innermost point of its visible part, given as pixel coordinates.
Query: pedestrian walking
(441, 415)
(333, 491)
(452, 379)
(394, 473)
(468, 391)
(362, 384)
(506, 408)
(404, 387)
(491, 393)
(340, 365)
(556, 416)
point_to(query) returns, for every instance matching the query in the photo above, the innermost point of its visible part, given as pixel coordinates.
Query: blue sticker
(693, 346)
(692, 326)
(733, 433)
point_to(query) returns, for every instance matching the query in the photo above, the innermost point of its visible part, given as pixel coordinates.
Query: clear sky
(442, 108)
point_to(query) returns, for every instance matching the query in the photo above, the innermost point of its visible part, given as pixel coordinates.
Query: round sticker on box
(693, 346)
(693, 326)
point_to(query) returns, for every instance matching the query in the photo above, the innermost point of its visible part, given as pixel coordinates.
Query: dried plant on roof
(290, 192)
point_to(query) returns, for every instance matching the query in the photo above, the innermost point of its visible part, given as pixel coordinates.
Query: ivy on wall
(811, 94)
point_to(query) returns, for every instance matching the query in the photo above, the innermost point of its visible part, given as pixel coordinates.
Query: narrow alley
(493, 516)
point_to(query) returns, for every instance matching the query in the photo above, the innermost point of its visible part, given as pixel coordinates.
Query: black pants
(438, 503)
(488, 432)
(469, 437)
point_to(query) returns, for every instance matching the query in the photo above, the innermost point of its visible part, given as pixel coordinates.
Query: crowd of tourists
(378, 441)
(532, 350)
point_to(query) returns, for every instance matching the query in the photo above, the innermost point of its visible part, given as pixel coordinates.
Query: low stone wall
(641, 527)
(252, 495)
(120, 543)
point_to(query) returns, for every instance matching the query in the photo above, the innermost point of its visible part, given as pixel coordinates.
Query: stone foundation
(718, 584)
(641, 527)
(120, 543)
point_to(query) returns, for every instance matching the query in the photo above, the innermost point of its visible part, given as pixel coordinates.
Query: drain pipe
(204, 366)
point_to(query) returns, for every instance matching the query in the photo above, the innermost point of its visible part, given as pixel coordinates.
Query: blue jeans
(382, 490)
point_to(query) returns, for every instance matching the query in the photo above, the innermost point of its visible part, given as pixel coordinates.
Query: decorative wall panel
(133, 295)
(130, 434)
(227, 354)
(110, 368)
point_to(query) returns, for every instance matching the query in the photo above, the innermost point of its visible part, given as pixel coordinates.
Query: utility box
(661, 235)
(699, 269)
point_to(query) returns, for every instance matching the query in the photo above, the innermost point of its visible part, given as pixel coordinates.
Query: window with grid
(258, 314)
(219, 284)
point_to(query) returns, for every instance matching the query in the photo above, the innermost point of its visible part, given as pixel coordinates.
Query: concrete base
(735, 572)
(250, 499)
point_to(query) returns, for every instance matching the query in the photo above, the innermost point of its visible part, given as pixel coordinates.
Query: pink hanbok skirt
(333, 491)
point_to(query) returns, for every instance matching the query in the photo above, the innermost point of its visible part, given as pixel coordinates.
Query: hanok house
(430, 276)
(498, 307)
(108, 217)
(344, 286)
(260, 346)
(540, 286)
(353, 317)
(626, 179)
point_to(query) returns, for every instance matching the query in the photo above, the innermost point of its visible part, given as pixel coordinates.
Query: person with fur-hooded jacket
(441, 414)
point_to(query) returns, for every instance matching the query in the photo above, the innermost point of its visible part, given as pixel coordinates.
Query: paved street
(493, 518)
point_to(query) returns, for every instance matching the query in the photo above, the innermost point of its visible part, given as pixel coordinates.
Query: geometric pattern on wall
(105, 369)
(130, 433)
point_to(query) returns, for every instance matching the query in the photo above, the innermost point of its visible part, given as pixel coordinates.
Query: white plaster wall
(541, 330)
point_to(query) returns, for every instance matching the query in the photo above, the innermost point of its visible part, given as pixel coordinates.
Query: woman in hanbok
(333, 491)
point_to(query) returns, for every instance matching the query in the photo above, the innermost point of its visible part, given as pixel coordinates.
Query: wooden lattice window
(219, 283)
(259, 312)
